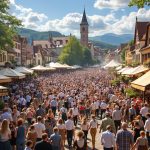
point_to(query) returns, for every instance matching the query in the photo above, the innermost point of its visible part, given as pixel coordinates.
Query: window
(4, 57)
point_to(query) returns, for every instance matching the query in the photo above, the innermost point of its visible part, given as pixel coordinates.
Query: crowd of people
(69, 110)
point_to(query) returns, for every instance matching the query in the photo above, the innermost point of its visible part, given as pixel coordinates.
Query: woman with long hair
(5, 135)
(80, 143)
(93, 129)
(62, 131)
(32, 135)
(85, 128)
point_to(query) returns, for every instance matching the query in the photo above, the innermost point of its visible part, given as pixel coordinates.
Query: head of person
(44, 136)
(145, 105)
(32, 127)
(69, 117)
(107, 115)
(40, 106)
(80, 134)
(109, 128)
(148, 115)
(136, 124)
(142, 134)
(39, 118)
(20, 122)
(60, 121)
(4, 126)
(29, 143)
(124, 125)
(93, 117)
(55, 130)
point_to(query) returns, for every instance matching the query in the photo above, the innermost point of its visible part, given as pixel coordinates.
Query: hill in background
(113, 39)
(107, 41)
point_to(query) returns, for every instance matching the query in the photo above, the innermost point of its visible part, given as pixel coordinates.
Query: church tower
(84, 30)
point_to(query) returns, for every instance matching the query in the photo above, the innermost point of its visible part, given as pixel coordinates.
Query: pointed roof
(84, 19)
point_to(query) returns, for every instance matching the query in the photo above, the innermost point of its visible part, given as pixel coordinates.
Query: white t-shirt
(61, 126)
(144, 111)
(93, 124)
(39, 128)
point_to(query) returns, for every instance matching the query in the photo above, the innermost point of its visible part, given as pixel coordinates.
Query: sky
(64, 16)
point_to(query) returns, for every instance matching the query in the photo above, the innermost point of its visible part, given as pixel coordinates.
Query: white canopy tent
(42, 68)
(24, 70)
(12, 73)
(59, 66)
(123, 69)
(112, 64)
(5, 79)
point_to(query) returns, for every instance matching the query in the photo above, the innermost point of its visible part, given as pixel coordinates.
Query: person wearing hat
(107, 121)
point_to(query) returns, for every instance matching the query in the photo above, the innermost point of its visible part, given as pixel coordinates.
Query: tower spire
(84, 18)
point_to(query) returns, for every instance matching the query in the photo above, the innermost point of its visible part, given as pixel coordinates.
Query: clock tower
(84, 30)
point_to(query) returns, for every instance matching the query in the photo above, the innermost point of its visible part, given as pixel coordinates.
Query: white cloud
(70, 23)
(112, 4)
(127, 23)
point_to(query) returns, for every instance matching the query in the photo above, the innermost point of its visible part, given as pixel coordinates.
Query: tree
(72, 53)
(8, 24)
(87, 57)
(139, 3)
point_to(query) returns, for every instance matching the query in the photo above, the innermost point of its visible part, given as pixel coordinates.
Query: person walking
(117, 116)
(147, 128)
(20, 135)
(107, 121)
(70, 130)
(44, 144)
(124, 138)
(93, 129)
(5, 135)
(55, 139)
(141, 142)
(85, 128)
(75, 114)
(62, 131)
(108, 139)
(80, 143)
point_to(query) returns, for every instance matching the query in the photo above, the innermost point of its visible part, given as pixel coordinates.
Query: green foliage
(8, 24)
(139, 3)
(123, 54)
(72, 53)
(87, 57)
(115, 82)
(131, 92)
(1, 104)
(131, 42)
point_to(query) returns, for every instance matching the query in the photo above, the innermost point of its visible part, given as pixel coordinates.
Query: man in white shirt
(39, 128)
(144, 110)
(75, 114)
(103, 107)
(70, 130)
(97, 104)
(108, 139)
(117, 116)
(147, 128)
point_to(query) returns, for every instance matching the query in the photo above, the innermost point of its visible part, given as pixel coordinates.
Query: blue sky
(104, 16)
